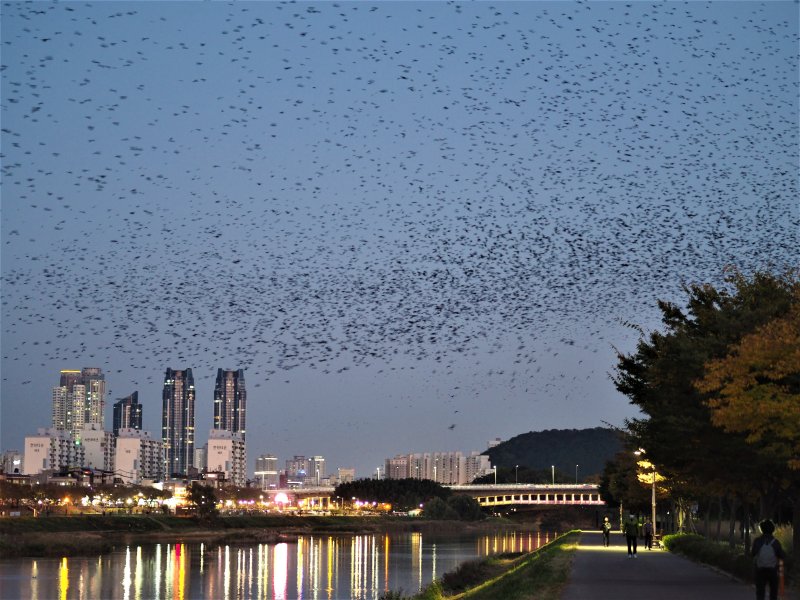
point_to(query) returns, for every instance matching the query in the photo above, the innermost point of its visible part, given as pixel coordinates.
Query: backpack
(766, 557)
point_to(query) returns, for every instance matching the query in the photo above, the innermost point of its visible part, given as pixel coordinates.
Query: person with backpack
(767, 551)
(606, 532)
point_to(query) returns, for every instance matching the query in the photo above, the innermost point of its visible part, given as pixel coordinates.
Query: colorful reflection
(361, 567)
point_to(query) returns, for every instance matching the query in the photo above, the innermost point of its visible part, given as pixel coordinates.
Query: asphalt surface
(600, 573)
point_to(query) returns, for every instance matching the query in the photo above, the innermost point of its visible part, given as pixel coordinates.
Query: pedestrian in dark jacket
(767, 551)
(648, 534)
(631, 534)
(606, 532)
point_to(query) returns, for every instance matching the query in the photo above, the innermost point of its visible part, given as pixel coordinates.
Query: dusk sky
(417, 226)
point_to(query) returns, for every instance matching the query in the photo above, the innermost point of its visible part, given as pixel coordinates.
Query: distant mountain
(562, 448)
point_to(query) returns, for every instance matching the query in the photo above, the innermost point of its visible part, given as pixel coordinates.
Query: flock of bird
(365, 185)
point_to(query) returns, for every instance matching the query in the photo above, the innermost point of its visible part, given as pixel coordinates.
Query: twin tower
(177, 418)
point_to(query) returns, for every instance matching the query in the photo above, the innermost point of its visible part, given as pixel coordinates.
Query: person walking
(606, 532)
(631, 530)
(648, 534)
(767, 551)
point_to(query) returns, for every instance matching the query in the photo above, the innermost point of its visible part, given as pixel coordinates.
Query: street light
(516, 470)
(553, 470)
(639, 452)
(576, 474)
(495, 474)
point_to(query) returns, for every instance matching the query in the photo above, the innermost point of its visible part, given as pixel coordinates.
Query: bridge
(488, 495)
(506, 494)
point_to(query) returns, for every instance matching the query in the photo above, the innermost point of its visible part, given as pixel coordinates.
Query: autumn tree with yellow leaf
(755, 390)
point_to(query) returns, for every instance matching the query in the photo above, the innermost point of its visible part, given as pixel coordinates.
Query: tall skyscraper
(79, 400)
(177, 422)
(230, 401)
(127, 413)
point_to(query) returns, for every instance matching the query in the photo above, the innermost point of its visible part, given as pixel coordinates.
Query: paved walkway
(600, 573)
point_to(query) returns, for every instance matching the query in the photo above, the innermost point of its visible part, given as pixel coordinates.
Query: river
(313, 567)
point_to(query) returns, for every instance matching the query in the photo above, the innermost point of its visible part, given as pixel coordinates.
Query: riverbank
(97, 534)
(540, 575)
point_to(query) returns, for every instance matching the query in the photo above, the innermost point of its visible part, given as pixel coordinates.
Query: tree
(204, 499)
(465, 507)
(677, 429)
(755, 390)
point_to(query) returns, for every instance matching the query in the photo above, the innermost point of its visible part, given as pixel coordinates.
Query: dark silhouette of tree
(660, 378)
(204, 499)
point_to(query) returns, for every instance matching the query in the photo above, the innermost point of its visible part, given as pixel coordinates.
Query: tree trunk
(796, 538)
(719, 519)
(746, 522)
(707, 519)
(732, 523)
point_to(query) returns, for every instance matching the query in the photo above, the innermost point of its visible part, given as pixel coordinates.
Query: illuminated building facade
(267, 472)
(138, 457)
(51, 449)
(79, 400)
(127, 413)
(177, 422)
(448, 468)
(96, 448)
(226, 456)
(230, 401)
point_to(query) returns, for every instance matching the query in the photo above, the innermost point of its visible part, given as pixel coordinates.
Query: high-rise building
(448, 468)
(127, 413)
(177, 422)
(96, 448)
(138, 456)
(79, 400)
(226, 456)
(296, 469)
(49, 449)
(316, 469)
(230, 401)
(267, 471)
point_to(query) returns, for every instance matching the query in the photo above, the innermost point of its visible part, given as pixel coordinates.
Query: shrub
(716, 554)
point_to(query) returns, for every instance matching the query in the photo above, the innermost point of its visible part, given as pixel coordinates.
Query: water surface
(313, 567)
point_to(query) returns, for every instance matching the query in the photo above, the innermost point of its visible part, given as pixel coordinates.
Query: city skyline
(412, 225)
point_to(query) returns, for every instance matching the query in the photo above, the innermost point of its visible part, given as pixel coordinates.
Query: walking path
(600, 573)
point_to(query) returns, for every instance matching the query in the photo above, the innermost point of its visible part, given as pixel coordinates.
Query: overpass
(506, 494)
(488, 495)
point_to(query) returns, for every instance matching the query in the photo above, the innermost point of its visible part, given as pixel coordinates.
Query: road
(600, 573)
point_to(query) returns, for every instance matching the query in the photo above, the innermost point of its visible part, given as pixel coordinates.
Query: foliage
(705, 551)
(755, 389)
(659, 377)
(536, 451)
(204, 499)
(402, 494)
(466, 507)
(619, 484)
(436, 508)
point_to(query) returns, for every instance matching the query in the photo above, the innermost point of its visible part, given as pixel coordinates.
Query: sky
(418, 226)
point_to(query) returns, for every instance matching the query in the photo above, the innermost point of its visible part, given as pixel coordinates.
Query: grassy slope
(540, 575)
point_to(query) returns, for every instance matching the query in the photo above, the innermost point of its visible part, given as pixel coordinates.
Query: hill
(562, 448)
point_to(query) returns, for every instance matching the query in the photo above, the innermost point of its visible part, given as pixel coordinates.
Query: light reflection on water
(314, 567)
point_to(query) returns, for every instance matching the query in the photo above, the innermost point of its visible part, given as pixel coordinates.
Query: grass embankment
(720, 555)
(539, 575)
(95, 534)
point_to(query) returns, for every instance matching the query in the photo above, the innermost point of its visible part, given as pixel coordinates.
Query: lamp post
(516, 473)
(495, 474)
(576, 474)
(639, 452)
(553, 470)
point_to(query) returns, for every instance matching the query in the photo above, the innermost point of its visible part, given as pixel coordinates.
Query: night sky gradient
(417, 226)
